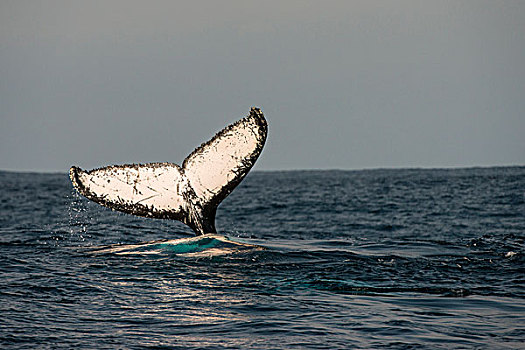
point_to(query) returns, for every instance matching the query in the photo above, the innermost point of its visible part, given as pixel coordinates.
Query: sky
(343, 84)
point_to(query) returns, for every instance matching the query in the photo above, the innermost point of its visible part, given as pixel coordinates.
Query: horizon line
(416, 167)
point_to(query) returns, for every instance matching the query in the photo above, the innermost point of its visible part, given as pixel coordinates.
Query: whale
(189, 193)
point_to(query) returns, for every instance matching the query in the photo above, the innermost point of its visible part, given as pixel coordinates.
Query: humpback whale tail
(189, 193)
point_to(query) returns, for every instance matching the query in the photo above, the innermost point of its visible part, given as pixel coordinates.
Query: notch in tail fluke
(190, 193)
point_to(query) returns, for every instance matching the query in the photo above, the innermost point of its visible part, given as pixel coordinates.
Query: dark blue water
(400, 259)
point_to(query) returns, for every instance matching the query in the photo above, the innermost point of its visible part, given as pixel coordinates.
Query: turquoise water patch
(183, 247)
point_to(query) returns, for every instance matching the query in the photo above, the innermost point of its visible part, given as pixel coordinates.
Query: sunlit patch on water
(199, 246)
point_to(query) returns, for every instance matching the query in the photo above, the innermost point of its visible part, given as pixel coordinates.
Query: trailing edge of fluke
(189, 193)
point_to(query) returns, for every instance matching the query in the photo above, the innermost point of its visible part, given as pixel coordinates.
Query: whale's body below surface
(189, 193)
(208, 245)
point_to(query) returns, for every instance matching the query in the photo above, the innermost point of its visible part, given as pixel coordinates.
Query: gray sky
(344, 84)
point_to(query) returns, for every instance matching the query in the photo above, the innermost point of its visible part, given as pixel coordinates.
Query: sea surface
(371, 259)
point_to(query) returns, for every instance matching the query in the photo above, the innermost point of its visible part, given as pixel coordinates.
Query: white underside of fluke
(157, 186)
(190, 193)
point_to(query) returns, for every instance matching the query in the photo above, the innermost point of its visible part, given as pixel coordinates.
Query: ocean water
(397, 259)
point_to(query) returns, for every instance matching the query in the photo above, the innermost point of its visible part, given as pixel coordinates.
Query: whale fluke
(190, 193)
